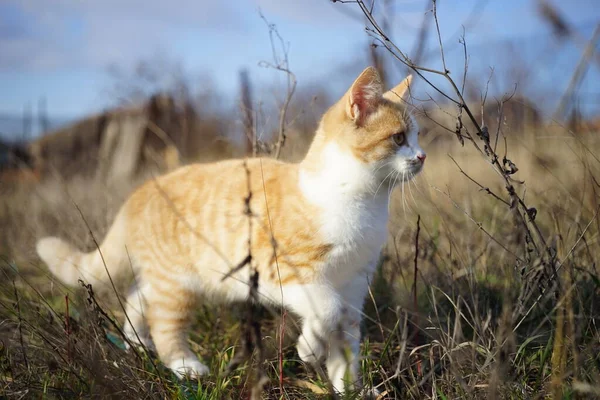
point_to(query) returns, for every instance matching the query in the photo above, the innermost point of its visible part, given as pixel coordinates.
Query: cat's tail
(69, 264)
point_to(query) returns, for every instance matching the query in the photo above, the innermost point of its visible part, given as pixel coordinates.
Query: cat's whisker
(382, 182)
(391, 189)
(418, 188)
(381, 166)
(393, 185)
(410, 181)
(406, 202)
(405, 183)
(389, 203)
(403, 197)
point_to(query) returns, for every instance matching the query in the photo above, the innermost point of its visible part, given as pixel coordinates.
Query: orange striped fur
(314, 231)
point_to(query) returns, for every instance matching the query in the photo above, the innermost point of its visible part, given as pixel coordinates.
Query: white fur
(354, 221)
(61, 258)
(188, 367)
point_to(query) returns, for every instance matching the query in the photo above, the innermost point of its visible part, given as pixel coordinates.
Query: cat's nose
(421, 157)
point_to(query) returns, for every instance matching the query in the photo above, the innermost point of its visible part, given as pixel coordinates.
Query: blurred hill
(120, 143)
(11, 127)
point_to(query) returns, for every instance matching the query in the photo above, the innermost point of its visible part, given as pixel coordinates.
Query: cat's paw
(310, 349)
(371, 394)
(188, 367)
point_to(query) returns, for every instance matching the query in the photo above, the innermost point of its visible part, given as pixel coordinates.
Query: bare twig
(21, 342)
(417, 338)
(92, 299)
(504, 167)
(280, 63)
(248, 113)
(478, 224)
(582, 66)
(437, 28)
(68, 328)
(555, 272)
(485, 189)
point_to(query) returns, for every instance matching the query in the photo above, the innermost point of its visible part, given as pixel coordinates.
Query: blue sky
(62, 49)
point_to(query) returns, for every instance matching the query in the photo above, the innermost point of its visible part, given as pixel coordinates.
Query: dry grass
(464, 327)
(473, 297)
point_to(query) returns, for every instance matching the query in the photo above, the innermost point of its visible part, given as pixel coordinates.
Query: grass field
(452, 312)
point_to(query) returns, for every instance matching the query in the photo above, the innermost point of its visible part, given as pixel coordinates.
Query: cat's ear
(399, 93)
(363, 95)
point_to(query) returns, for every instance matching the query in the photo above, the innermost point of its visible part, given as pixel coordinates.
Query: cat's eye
(399, 138)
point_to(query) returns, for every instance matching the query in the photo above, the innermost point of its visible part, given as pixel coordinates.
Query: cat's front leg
(320, 306)
(312, 342)
(343, 359)
(330, 331)
(335, 342)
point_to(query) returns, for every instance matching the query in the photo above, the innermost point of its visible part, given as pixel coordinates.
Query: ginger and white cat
(317, 228)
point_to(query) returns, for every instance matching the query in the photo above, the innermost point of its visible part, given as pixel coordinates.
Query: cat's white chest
(352, 219)
(357, 233)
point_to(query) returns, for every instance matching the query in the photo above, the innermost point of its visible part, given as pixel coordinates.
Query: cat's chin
(408, 176)
(398, 177)
(409, 173)
(416, 170)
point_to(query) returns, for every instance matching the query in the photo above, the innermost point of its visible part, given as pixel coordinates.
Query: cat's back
(201, 214)
(222, 189)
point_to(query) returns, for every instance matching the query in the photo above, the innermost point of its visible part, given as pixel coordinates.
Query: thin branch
(283, 65)
(439, 35)
(478, 224)
(485, 189)
(485, 150)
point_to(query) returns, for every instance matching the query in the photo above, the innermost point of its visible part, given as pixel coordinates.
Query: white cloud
(325, 13)
(75, 33)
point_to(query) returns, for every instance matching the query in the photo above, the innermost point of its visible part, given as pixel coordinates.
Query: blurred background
(97, 96)
(63, 61)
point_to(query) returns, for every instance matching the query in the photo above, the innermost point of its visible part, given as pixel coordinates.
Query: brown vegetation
(121, 143)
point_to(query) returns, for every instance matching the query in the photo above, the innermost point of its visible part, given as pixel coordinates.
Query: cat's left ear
(399, 93)
(363, 95)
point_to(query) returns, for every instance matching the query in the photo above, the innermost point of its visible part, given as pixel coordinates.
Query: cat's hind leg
(170, 309)
(135, 328)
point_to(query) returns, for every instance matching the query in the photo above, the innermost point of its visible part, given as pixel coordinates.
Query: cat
(317, 229)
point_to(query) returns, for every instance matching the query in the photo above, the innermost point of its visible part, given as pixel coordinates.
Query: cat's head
(377, 128)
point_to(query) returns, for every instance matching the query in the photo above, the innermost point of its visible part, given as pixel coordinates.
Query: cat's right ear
(400, 92)
(363, 95)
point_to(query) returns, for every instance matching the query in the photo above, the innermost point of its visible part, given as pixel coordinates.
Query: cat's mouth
(409, 174)
(403, 174)
(410, 170)
(416, 167)
(400, 172)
